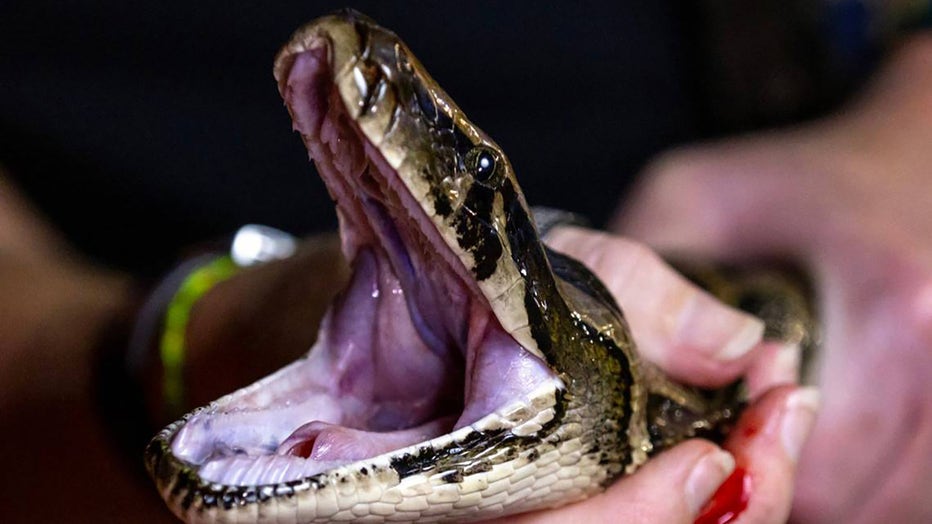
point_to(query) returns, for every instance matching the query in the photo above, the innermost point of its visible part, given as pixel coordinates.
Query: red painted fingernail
(729, 501)
(801, 408)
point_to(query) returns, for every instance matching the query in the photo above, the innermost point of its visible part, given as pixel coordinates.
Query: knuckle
(638, 253)
(591, 250)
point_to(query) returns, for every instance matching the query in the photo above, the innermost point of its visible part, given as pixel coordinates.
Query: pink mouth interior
(410, 350)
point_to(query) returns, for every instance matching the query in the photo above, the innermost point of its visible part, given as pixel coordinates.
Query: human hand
(54, 309)
(849, 197)
(683, 330)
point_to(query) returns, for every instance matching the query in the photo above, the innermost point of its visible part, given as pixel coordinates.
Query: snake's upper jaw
(409, 352)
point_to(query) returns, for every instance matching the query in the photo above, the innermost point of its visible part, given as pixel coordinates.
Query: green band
(172, 343)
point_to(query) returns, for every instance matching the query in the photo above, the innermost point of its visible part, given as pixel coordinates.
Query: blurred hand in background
(849, 196)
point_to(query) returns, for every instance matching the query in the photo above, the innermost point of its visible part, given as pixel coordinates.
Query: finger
(766, 444)
(672, 487)
(23, 231)
(730, 198)
(777, 363)
(687, 332)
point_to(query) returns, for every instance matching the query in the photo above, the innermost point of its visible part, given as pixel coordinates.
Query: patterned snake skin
(371, 116)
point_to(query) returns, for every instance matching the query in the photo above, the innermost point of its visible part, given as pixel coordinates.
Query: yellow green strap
(172, 343)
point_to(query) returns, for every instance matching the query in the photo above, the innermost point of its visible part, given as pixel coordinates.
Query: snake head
(427, 376)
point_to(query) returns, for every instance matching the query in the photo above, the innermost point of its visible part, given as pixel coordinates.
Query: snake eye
(483, 162)
(485, 165)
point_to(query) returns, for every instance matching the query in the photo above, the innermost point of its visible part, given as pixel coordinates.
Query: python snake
(467, 371)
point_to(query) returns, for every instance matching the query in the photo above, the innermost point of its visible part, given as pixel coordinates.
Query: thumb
(742, 198)
(671, 487)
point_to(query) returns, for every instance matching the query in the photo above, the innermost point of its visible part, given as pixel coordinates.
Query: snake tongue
(326, 443)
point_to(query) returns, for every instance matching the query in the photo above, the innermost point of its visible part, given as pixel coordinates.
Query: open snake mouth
(411, 351)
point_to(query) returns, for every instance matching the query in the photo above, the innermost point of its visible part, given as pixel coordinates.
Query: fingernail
(706, 477)
(725, 333)
(798, 419)
(785, 366)
(743, 340)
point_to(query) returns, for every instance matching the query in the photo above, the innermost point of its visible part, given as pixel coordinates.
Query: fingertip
(706, 477)
(671, 487)
(710, 343)
(777, 363)
(747, 333)
(766, 443)
(716, 330)
(801, 407)
(782, 417)
(695, 469)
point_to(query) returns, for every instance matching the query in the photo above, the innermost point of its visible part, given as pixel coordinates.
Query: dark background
(140, 128)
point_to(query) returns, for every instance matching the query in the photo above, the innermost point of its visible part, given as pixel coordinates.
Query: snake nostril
(401, 60)
(367, 76)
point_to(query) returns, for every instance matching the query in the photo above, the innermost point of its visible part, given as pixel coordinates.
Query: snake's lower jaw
(410, 352)
(379, 379)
